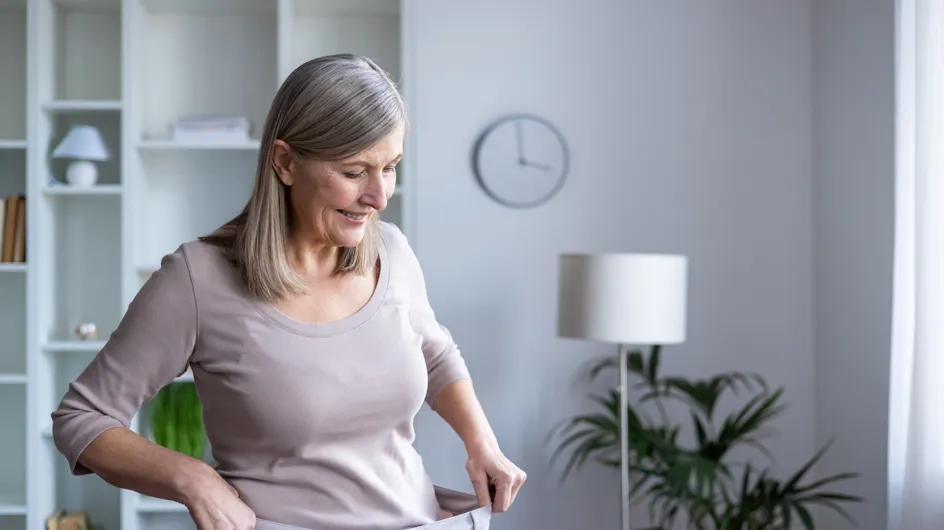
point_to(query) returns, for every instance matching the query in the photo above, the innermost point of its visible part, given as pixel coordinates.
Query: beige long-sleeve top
(311, 423)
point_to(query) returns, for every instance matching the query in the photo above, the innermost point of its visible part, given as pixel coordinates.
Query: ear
(283, 162)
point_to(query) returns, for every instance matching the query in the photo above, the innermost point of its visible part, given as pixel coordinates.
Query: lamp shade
(83, 142)
(623, 298)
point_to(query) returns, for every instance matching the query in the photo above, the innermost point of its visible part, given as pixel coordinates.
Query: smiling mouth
(353, 216)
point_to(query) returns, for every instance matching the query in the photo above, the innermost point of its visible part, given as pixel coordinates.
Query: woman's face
(332, 201)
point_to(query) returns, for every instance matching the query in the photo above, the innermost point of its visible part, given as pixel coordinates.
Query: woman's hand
(215, 505)
(488, 467)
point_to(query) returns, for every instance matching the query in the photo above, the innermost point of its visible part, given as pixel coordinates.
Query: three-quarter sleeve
(444, 360)
(150, 347)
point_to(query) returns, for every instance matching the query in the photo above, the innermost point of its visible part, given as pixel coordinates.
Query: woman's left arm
(488, 468)
(450, 394)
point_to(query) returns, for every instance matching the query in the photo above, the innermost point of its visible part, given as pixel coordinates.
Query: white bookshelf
(130, 67)
(14, 381)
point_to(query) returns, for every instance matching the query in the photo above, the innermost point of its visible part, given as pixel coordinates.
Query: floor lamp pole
(624, 435)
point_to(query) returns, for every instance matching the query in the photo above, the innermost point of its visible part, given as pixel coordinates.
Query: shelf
(13, 379)
(13, 267)
(58, 346)
(99, 189)
(12, 502)
(12, 144)
(213, 7)
(194, 53)
(167, 145)
(90, 5)
(82, 106)
(346, 7)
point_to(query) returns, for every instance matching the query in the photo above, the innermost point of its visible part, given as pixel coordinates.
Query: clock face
(521, 161)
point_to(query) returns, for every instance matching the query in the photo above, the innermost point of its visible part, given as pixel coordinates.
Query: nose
(375, 192)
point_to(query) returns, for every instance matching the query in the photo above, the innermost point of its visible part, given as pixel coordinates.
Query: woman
(306, 325)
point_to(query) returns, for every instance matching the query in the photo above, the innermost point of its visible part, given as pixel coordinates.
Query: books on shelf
(211, 129)
(13, 229)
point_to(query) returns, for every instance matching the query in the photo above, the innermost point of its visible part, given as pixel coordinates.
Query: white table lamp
(83, 144)
(623, 299)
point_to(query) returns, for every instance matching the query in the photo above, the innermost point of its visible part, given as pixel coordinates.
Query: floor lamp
(623, 299)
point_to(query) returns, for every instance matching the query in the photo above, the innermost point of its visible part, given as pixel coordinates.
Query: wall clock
(521, 160)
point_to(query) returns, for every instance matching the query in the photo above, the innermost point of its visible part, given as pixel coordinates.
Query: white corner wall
(689, 125)
(853, 196)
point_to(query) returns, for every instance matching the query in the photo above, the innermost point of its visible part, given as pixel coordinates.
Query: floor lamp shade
(623, 298)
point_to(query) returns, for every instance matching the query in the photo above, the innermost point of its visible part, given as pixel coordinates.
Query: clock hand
(538, 165)
(521, 160)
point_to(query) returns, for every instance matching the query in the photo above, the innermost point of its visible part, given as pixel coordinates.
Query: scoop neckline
(342, 325)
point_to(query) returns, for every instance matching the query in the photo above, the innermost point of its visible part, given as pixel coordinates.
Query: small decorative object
(210, 129)
(86, 331)
(75, 520)
(176, 419)
(84, 145)
(521, 160)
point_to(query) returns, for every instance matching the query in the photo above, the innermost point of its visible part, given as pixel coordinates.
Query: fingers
(508, 484)
(480, 484)
(517, 481)
(502, 495)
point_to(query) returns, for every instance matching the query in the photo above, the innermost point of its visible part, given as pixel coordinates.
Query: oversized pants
(468, 514)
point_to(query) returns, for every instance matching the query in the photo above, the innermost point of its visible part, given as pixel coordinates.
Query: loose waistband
(468, 514)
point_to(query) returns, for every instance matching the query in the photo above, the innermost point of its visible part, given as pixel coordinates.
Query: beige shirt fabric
(311, 423)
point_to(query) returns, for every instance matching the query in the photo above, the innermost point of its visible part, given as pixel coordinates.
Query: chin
(349, 237)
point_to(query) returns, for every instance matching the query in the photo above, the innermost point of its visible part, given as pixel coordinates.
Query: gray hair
(328, 108)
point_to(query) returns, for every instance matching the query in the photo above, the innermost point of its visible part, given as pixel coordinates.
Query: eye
(353, 175)
(390, 169)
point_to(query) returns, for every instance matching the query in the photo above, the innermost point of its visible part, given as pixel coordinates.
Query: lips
(354, 216)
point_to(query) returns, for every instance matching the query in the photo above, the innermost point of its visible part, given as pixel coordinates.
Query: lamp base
(82, 173)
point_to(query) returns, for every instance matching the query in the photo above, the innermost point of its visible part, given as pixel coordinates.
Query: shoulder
(192, 261)
(204, 258)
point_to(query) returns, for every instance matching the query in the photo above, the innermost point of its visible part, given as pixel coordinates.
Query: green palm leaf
(696, 480)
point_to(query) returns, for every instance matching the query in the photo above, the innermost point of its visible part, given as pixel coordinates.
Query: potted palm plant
(699, 481)
(176, 419)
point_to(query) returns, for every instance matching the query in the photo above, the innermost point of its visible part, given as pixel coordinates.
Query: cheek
(329, 195)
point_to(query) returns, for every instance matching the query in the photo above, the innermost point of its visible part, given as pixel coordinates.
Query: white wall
(853, 162)
(690, 130)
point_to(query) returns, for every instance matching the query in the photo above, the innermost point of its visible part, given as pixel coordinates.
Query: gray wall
(853, 191)
(690, 128)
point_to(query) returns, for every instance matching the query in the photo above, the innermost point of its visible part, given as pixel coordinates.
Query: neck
(311, 256)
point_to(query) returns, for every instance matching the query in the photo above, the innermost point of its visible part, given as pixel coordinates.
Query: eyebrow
(368, 164)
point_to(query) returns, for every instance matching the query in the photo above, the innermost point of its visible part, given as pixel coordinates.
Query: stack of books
(13, 229)
(211, 129)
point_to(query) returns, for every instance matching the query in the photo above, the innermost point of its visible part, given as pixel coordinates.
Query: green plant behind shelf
(176, 419)
(698, 480)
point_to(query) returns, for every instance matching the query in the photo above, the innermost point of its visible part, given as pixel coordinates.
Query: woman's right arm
(152, 345)
(127, 460)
